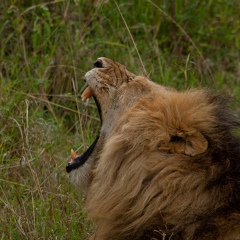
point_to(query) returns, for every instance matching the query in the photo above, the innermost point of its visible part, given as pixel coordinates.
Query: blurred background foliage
(45, 49)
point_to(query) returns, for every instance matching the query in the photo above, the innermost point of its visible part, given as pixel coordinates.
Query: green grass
(46, 47)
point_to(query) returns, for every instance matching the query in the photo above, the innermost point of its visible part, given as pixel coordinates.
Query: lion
(165, 164)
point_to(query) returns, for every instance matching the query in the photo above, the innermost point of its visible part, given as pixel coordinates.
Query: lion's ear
(188, 141)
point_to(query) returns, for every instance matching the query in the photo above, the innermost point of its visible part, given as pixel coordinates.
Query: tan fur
(168, 162)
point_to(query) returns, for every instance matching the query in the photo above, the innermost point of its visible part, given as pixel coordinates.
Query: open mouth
(78, 161)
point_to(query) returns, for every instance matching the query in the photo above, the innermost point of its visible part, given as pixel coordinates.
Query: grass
(47, 46)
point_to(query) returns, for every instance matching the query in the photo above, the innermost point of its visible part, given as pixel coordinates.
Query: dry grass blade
(41, 5)
(187, 36)
(134, 43)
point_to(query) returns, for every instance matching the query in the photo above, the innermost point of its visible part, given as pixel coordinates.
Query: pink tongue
(87, 94)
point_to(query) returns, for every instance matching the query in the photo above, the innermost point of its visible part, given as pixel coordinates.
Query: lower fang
(73, 155)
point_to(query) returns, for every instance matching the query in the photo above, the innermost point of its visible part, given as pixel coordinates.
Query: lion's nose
(98, 64)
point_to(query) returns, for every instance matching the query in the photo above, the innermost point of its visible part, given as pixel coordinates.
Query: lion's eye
(98, 64)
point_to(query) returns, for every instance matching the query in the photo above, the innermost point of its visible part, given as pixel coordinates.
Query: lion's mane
(171, 165)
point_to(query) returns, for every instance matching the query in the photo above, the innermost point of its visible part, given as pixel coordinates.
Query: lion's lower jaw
(81, 176)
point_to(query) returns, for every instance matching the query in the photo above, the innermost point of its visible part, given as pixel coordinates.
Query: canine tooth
(73, 155)
(87, 94)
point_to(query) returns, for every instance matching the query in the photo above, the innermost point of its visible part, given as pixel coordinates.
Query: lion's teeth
(73, 155)
(87, 94)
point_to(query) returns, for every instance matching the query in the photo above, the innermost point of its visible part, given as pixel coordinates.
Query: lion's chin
(80, 160)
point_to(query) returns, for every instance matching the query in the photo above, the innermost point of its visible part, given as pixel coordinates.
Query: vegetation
(47, 46)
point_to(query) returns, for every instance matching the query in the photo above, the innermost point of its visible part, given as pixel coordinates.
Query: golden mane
(170, 165)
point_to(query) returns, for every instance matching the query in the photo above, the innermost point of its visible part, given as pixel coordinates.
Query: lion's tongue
(87, 94)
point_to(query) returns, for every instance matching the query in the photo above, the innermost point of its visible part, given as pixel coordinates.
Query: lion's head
(164, 161)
